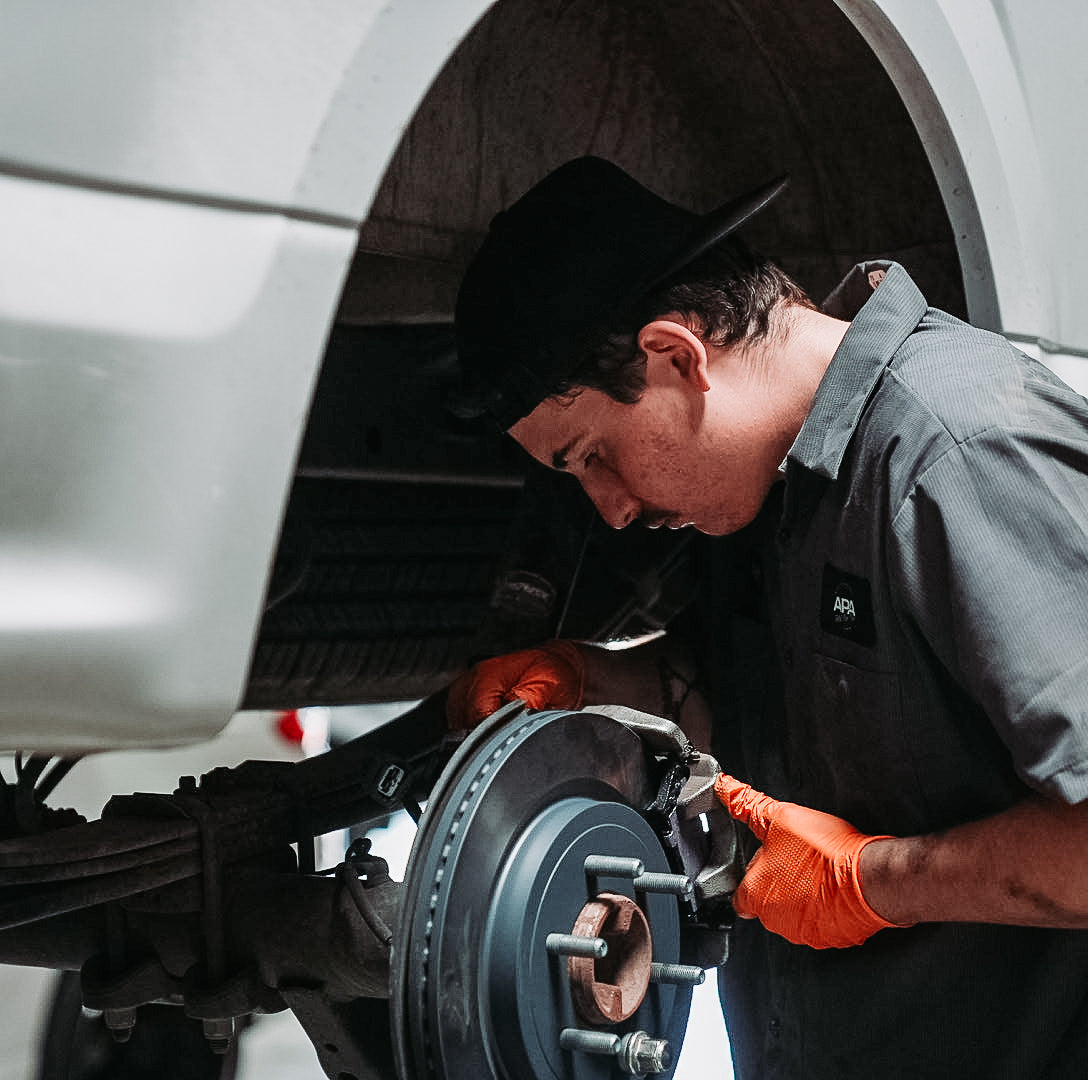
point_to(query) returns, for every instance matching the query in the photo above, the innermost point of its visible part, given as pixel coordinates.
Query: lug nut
(220, 1033)
(640, 1054)
(120, 1023)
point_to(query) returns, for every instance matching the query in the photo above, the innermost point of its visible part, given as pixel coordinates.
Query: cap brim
(718, 224)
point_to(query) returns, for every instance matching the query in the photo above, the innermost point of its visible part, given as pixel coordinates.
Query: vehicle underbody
(568, 886)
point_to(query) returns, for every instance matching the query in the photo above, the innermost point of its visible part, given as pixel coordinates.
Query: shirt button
(787, 657)
(843, 690)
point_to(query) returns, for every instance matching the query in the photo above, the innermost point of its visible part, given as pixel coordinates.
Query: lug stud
(677, 974)
(576, 945)
(589, 1042)
(636, 1054)
(676, 884)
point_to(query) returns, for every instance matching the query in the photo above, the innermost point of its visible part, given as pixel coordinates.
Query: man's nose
(613, 501)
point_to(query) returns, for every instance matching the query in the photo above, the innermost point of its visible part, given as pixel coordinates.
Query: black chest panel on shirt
(846, 606)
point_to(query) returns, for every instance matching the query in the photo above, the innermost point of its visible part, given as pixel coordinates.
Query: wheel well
(699, 101)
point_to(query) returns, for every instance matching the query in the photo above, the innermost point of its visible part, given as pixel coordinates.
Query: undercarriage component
(536, 818)
(556, 912)
(196, 902)
(78, 1044)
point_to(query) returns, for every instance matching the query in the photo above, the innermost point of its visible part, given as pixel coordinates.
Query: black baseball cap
(574, 253)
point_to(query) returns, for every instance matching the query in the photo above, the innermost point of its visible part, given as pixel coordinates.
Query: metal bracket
(695, 829)
(344, 1034)
(657, 734)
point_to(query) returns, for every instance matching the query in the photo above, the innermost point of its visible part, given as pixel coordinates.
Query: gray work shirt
(907, 647)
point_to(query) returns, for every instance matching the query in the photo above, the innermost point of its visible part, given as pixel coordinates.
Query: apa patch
(846, 606)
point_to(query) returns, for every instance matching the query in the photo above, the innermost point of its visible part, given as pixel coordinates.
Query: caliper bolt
(576, 945)
(677, 884)
(677, 974)
(589, 1042)
(120, 1023)
(640, 1054)
(219, 1032)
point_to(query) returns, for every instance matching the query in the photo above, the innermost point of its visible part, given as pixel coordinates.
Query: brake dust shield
(539, 913)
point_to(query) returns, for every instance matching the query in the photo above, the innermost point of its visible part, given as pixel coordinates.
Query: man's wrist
(887, 882)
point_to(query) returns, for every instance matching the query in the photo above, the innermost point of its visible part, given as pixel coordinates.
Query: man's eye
(590, 459)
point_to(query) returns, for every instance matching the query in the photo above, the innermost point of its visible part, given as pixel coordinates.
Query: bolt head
(640, 1054)
(120, 1023)
(653, 1056)
(219, 1034)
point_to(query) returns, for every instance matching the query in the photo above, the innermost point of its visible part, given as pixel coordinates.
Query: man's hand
(552, 675)
(803, 882)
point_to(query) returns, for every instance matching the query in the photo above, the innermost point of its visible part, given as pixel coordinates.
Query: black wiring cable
(349, 877)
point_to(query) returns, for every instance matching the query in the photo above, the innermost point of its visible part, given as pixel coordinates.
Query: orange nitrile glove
(803, 881)
(551, 675)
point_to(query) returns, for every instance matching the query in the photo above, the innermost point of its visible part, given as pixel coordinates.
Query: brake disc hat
(574, 253)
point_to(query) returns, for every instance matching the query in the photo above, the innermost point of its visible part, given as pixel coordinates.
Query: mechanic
(895, 618)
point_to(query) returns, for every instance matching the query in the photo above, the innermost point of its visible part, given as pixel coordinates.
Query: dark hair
(727, 297)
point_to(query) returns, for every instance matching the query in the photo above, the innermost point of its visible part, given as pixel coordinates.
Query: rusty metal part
(610, 989)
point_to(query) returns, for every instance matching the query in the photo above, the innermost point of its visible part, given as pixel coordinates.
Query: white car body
(180, 189)
(182, 186)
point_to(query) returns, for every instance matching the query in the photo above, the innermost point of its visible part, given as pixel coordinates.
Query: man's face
(693, 451)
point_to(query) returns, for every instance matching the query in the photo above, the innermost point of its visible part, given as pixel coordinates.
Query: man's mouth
(657, 519)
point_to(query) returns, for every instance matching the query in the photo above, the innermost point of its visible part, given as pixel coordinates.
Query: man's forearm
(1026, 866)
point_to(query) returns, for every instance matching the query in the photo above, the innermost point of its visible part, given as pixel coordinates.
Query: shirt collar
(884, 306)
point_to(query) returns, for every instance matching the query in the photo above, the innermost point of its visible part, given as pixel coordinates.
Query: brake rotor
(518, 911)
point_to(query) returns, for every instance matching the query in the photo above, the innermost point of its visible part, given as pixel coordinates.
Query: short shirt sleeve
(991, 550)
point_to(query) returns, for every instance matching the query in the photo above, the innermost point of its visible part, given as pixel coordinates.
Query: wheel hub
(540, 912)
(609, 988)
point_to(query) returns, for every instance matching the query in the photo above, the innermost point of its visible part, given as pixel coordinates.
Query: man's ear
(675, 344)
